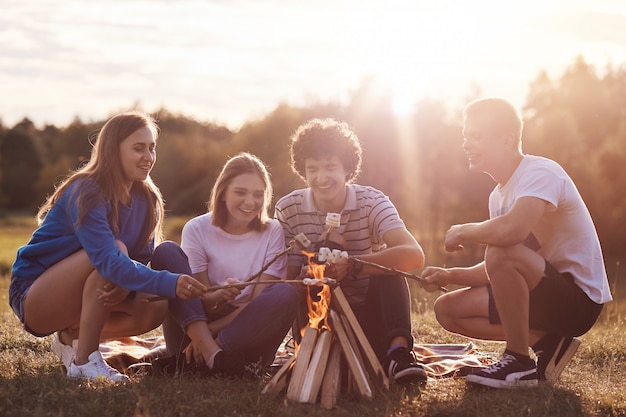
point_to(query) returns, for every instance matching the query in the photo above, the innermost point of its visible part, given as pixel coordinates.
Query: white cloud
(230, 60)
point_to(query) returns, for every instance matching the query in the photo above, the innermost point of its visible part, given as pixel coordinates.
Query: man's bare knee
(442, 309)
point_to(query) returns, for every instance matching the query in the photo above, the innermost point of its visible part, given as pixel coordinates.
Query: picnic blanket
(439, 360)
(449, 360)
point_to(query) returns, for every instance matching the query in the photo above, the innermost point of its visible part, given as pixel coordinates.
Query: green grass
(33, 382)
(14, 232)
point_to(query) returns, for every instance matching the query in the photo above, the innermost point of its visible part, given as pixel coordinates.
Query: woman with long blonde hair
(84, 272)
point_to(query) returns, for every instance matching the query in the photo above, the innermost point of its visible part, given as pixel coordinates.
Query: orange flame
(318, 309)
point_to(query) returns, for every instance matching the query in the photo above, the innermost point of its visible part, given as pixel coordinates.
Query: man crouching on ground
(543, 280)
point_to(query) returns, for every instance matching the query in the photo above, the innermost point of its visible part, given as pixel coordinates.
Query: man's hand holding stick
(397, 271)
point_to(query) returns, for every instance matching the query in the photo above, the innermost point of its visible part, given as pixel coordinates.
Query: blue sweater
(58, 237)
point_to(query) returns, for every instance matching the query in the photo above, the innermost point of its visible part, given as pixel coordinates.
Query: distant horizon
(233, 62)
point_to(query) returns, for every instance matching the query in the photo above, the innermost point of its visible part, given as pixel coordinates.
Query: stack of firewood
(333, 340)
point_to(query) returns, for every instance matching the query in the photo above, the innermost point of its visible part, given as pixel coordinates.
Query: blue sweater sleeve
(96, 238)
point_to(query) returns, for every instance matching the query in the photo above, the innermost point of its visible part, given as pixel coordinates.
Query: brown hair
(104, 169)
(243, 163)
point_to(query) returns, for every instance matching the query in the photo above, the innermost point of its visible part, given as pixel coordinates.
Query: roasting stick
(299, 241)
(306, 281)
(325, 254)
(333, 220)
(397, 271)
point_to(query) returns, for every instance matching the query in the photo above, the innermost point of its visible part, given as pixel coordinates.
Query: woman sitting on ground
(230, 328)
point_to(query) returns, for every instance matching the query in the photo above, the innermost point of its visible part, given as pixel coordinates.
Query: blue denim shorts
(17, 296)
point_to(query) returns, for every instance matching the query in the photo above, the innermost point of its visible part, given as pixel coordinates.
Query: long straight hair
(104, 170)
(243, 163)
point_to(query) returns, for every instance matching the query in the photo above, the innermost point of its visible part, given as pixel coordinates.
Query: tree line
(578, 119)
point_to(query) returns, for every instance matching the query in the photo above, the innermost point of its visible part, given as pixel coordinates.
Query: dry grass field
(33, 383)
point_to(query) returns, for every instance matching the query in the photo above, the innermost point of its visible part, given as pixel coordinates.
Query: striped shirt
(365, 218)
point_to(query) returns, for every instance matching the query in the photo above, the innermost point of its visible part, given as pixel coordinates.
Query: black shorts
(557, 305)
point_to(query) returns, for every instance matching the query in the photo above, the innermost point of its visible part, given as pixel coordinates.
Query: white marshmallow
(324, 255)
(333, 219)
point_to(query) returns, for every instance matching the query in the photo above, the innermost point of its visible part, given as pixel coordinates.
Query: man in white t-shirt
(543, 280)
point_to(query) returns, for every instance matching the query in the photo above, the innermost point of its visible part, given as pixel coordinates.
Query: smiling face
(479, 143)
(138, 155)
(492, 137)
(244, 199)
(327, 179)
(489, 148)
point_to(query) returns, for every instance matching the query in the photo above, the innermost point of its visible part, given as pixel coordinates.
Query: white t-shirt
(209, 248)
(565, 236)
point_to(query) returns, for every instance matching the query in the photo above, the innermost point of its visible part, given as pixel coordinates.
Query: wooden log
(279, 380)
(357, 368)
(331, 384)
(374, 368)
(317, 366)
(353, 340)
(303, 357)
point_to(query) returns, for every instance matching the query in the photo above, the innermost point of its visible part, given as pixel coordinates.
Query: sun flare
(413, 49)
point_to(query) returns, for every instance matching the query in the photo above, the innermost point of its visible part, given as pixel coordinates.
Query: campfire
(332, 341)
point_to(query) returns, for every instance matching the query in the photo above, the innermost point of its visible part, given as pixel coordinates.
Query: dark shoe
(228, 364)
(402, 367)
(550, 363)
(175, 365)
(508, 372)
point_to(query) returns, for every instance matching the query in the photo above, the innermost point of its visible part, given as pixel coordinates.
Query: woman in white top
(229, 328)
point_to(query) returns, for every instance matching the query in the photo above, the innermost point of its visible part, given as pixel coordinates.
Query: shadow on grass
(544, 400)
(53, 394)
(46, 391)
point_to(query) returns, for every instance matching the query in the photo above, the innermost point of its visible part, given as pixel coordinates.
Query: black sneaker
(403, 368)
(550, 363)
(177, 365)
(229, 364)
(508, 372)
(171, 365)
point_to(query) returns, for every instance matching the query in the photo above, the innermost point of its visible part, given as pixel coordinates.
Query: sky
(232, 61)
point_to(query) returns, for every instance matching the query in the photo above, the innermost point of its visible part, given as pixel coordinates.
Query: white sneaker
(65, 352)
(95, 369)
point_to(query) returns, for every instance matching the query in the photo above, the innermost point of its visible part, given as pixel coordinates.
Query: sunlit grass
(14, 232)
(33, 382)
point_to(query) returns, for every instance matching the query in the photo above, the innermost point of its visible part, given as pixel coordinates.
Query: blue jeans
(256, 332)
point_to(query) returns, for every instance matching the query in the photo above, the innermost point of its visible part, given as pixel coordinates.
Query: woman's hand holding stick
(300, 241)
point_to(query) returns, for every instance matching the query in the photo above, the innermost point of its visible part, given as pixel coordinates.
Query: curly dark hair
(328, 137)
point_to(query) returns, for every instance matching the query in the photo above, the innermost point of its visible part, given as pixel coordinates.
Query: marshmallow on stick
(301, 240)
(333, 219)
(331, 256)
